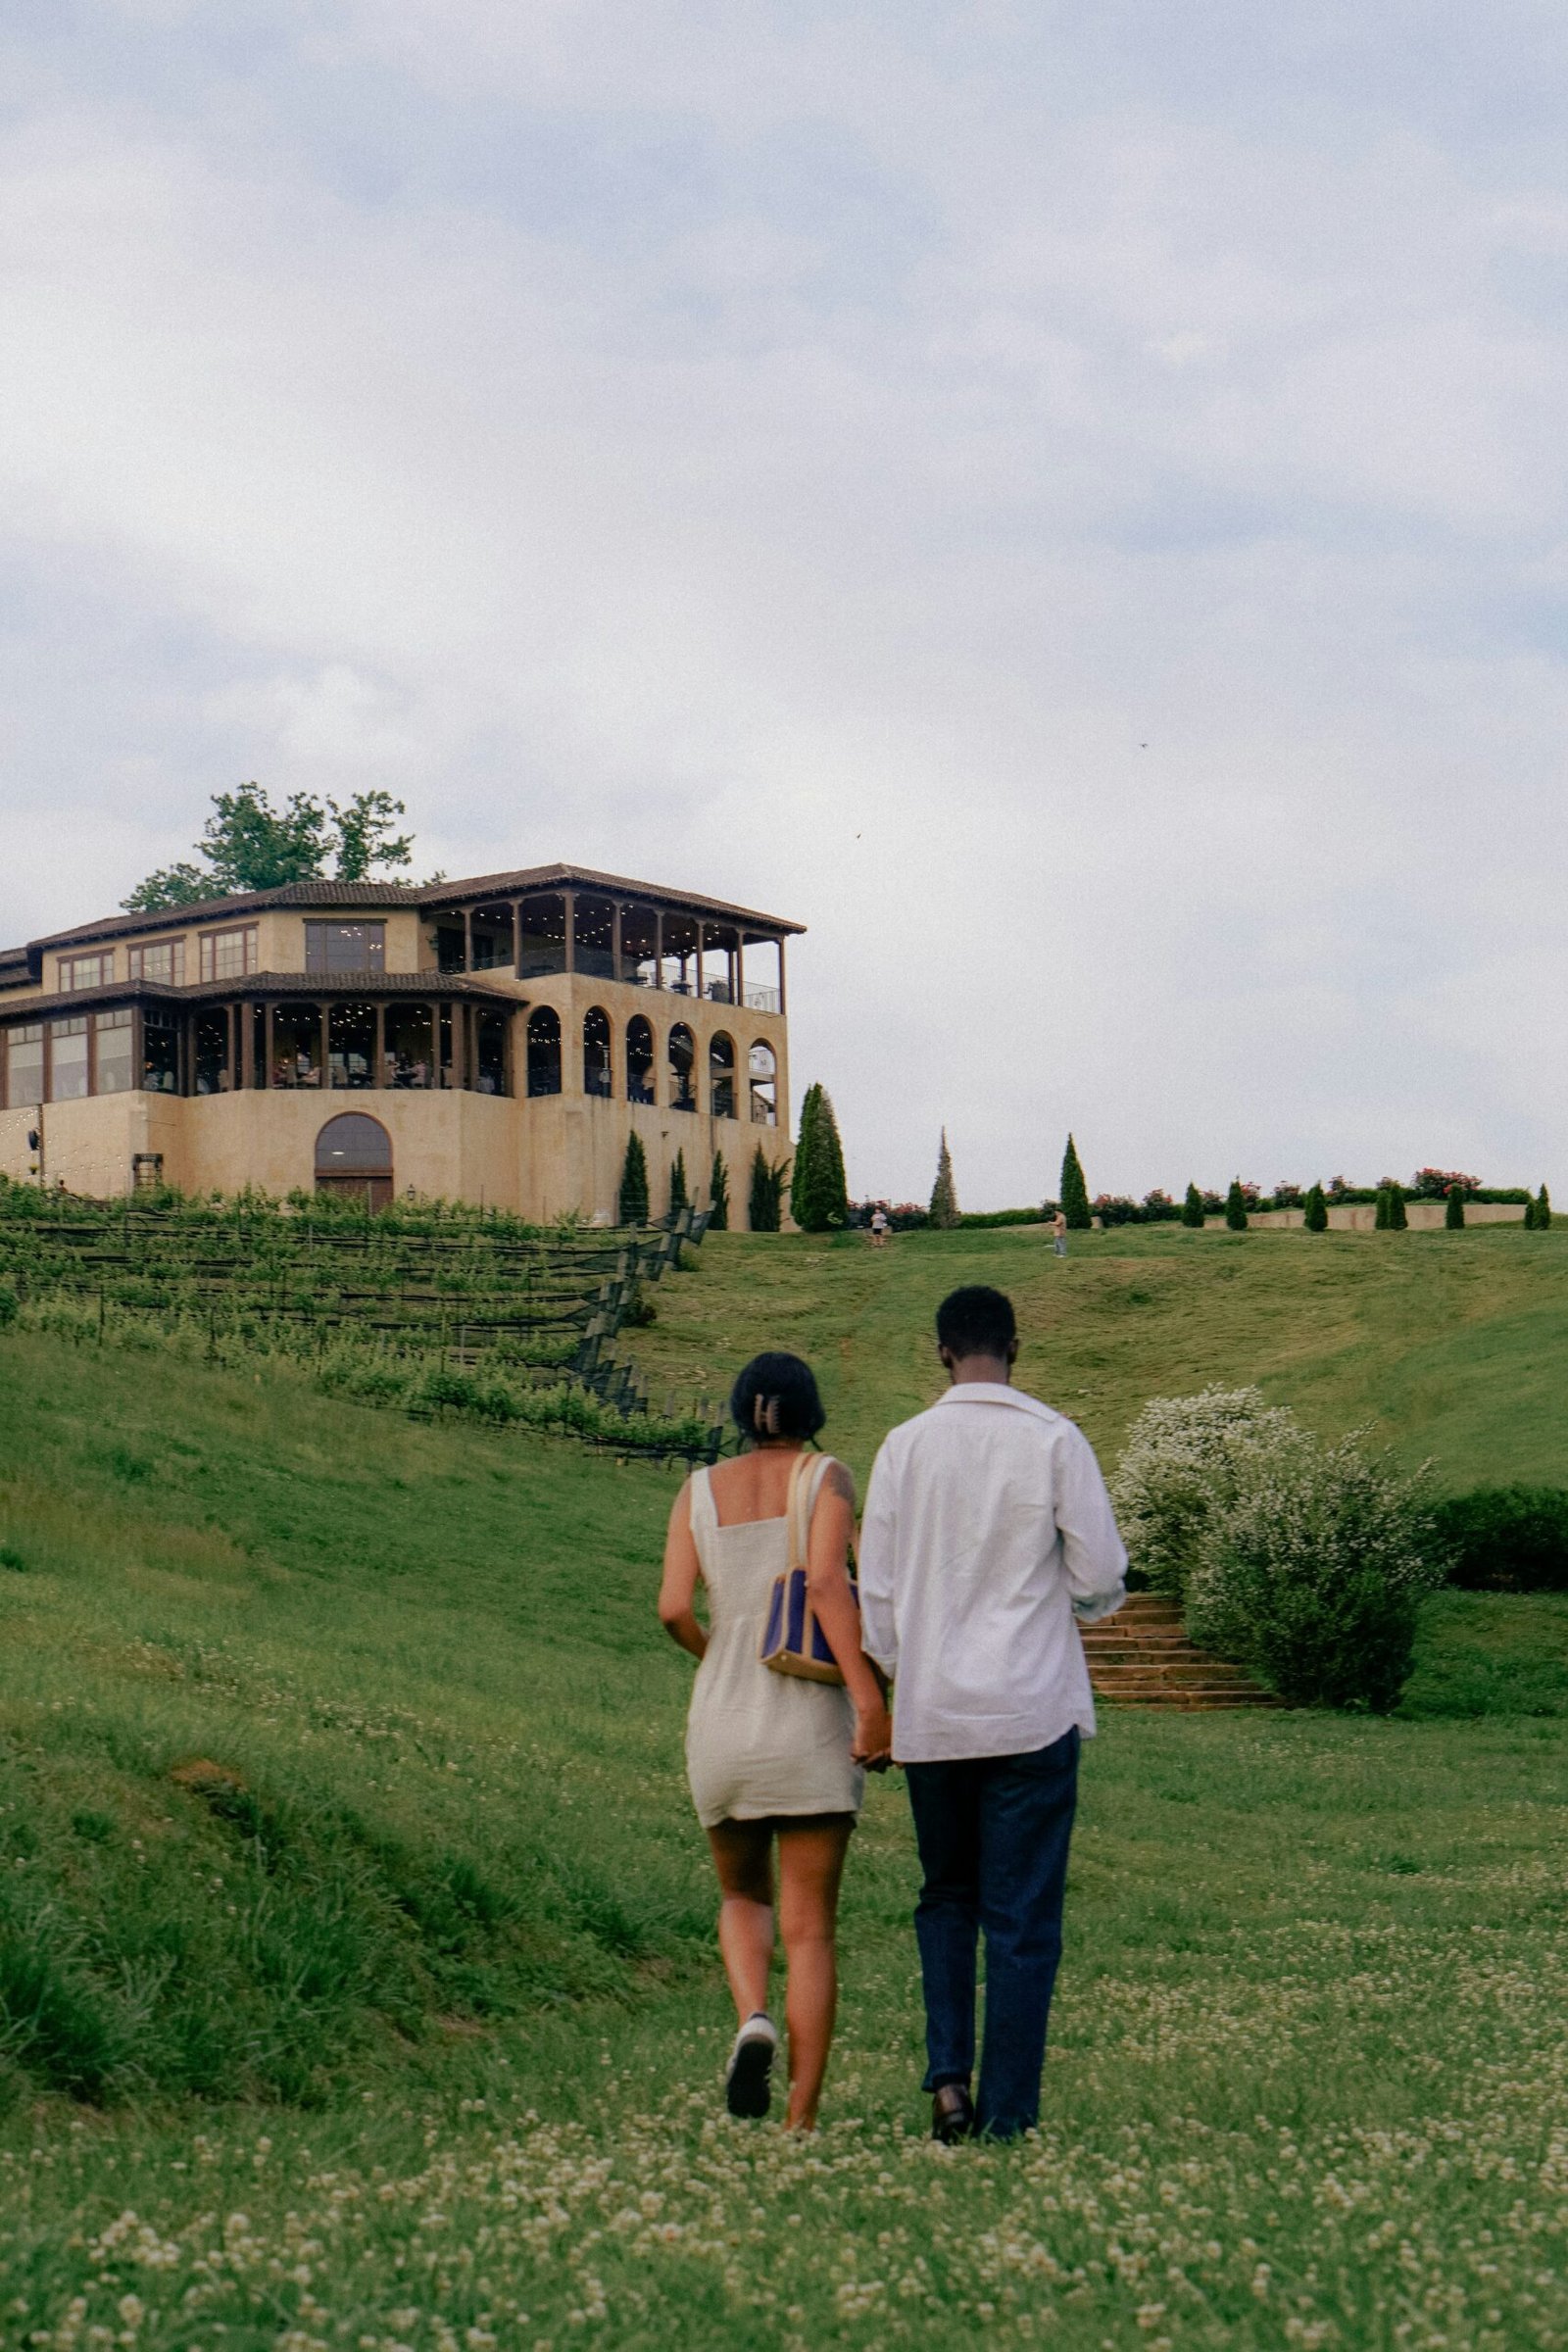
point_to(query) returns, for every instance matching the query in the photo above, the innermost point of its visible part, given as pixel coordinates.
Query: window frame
(249, 934)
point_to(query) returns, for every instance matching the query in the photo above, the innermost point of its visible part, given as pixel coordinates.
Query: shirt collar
(995, 1392)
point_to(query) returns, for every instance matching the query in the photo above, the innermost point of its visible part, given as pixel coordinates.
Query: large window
(492, 930)
(350, 1043)
(296, 1045)
(594, 937)
(544, 1050)
(542, 937)
(721, 1077)
(159, 1052)
(639, 1059)
(23, 1066)
(86, 971)
(490, 1052)
(114, 1037)
(596, 1069)
(67, 1059)
(229, 955)
(682, 1068)
(639, 947)
(342, 948)
(164, 962)
(212, 1072)
(762, 1076)
(409, 1046)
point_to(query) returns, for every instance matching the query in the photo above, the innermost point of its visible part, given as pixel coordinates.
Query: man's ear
(1012, 1350)
(944, 1357)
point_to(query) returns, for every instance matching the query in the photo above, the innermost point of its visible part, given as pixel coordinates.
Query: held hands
(872, 1745)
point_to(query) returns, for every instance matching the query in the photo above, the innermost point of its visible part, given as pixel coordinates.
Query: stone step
(1142, 1657)
(1193, 1674)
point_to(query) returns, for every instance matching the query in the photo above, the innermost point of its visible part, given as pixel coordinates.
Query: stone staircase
(1142, 1658)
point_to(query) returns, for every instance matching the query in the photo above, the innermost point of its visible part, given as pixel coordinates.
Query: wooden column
(460, 1045)
(325, 1081)
(614, 940)
(568, 899)
(659, 946)
(467, 939)
(740, 975)
(379, 1066)
(516, 939)
(245, 1065)
(268, 1047)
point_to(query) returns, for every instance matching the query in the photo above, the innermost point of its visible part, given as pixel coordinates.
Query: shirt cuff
(1095, 1605)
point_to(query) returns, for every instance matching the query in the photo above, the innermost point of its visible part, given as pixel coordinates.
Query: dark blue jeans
(993, 1833)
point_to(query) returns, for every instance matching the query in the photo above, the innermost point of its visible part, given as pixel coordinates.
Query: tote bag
(793, 1641)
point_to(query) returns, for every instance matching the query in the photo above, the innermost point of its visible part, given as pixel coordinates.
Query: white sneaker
(748, 2078)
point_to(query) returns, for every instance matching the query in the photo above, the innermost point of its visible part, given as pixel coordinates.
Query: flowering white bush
(1314, 1568)
(1177, 1471)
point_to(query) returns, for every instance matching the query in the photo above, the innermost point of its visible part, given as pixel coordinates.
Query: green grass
(1452, 1345)
(410, 2023)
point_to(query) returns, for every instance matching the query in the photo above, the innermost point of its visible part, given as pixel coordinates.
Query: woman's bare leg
(743, 1855)
(811, 1864)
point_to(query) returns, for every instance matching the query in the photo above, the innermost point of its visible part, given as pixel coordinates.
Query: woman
(769, 1756)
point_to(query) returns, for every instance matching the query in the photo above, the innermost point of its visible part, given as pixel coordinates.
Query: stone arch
(354, 1159)
(680, 1055)
(544, 1050)
(721, 1075)
(598, 1064)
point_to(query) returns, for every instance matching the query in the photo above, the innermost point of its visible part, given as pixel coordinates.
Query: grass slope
(405, 2032)
(1453, 1345)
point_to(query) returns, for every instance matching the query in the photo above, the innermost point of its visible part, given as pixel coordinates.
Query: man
(987, 1534)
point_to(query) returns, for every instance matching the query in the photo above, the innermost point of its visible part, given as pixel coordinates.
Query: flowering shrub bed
(1304, 1561)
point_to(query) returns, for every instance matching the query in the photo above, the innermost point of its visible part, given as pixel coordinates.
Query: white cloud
(1089, 545)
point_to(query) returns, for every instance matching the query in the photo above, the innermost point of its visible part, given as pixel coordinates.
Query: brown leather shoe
(952, 2114)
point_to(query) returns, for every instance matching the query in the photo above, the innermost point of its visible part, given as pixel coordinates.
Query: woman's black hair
(776, 1397)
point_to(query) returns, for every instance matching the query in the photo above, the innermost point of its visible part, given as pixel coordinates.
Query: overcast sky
(1067, 501)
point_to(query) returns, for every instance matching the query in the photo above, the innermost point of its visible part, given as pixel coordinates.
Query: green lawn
(406, 2024)
(1453, 1345)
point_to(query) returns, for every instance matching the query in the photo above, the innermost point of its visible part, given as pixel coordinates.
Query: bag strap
(806, 1483)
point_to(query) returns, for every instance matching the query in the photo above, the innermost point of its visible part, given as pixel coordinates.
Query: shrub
(1316, 1215)
(10, 1303)
(1436, 1184)
(1236, 1206)
(1177, 1470)
(719, 1195)
(1159, 1209)
(1116, 1209)
(680, 1190)
(1074, 1191)
(1192, 1209)
(1314, 1571)
(1542, 1211)
(1453, 1214)
(1398, 1222)
(766, 1199)
(1380, 1215)
(634, 1182)
(1506, 1539)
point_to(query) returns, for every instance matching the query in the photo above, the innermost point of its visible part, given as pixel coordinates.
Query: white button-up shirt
(988, 1532)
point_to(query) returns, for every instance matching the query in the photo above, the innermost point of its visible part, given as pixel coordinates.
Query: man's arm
(878, 1558)
(1092, 1549)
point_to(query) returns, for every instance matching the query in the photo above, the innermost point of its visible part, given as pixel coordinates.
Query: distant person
(1059, 1233)
(770, 1757)
(987, 1535)
(879, 1227)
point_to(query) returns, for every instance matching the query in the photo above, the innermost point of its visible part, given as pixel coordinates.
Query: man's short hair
(976, 1321)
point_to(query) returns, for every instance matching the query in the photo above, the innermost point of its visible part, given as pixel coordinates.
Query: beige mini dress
(759, 1743)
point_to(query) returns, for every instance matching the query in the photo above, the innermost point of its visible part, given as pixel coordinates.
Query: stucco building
(495, 1041)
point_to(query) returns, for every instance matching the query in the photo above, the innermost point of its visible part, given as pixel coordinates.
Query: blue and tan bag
(792, 1642)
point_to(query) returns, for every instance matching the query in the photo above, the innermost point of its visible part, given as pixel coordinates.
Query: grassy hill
(1455, 1346)
(356, 1969)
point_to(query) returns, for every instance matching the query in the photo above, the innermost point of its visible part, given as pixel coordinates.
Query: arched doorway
(354, 1159)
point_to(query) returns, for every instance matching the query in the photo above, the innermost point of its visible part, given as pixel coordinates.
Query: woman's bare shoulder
(838, 1480)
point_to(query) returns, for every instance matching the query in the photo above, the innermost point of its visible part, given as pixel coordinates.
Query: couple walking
(987, 1534)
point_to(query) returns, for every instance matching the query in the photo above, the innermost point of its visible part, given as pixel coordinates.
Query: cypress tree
(818, 1196)
(1193, 1209)
(1316, 1215)
(1454, 1211)
(1398, 1222)
(1380, 1215)
(944, 1210)
(1074, 1193)
(766, 1194)
(1236, 1206)
(719, 1195)
(1543, 1210)
(634, 1182)
(679, 1194)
